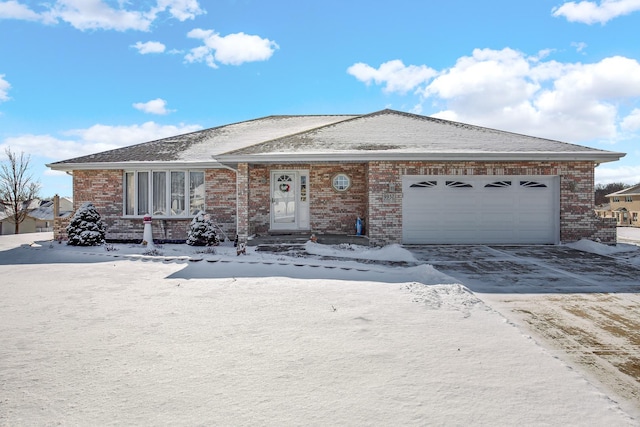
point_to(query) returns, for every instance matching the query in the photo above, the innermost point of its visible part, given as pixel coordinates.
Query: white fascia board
(364, 157)
(629, 191)
(134, 165)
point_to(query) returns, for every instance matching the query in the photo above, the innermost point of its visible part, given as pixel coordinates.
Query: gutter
(602, 157)
(133, 165)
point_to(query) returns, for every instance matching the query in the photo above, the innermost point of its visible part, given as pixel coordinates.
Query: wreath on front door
(284, 187)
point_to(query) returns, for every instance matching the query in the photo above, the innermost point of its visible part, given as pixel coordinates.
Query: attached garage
(480, 209)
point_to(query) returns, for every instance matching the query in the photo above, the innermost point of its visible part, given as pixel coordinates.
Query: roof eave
(175, 164)
(469, 156)
(218, 162)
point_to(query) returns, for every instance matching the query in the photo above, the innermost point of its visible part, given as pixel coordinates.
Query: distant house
(40, 216)
(412, 179)
(603, 211)
(625, 206)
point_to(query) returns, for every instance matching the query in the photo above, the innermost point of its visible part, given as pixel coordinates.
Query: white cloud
(149, 47)
(625, 174)
(233, 49)
(4, 89)
(632, 121)
(489, 78)
(393, 74)
(13, 10)
(98, 14)
(155, 106)
(95, 14)
(590, 12)
(95, 139)
(180, 9)
(506, 89)
(580, 46)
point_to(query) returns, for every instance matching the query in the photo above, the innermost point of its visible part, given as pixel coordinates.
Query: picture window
(164, 193)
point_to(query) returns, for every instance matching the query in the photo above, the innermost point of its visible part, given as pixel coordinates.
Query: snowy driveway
(582, 305)
(532, 269)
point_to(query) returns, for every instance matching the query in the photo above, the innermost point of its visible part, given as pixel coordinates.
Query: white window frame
(338, 182)
(186, 212)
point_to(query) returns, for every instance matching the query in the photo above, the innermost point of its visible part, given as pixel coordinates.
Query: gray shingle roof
(631, 191)
(383, 134)
(202, 146)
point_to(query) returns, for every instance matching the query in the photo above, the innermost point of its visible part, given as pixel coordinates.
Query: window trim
(343, 176)
(128, 194)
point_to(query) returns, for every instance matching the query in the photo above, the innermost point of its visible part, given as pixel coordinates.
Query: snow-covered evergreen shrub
(202, 231)
(86, 227)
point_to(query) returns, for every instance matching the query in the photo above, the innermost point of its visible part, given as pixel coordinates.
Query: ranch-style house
(411, 179)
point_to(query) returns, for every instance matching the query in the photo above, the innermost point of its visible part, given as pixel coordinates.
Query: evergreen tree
(86, 227)
(202, 231)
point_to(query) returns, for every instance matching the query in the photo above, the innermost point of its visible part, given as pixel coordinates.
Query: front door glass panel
(284, 198)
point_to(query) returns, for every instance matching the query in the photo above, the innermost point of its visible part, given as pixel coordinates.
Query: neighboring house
(412, 179)
(625, 206)
(39, 218)
(604, 211)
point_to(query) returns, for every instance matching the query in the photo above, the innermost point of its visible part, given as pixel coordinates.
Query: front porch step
(289, 233)
(297, 238)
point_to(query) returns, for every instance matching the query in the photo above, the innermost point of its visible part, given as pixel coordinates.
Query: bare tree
(17, 187)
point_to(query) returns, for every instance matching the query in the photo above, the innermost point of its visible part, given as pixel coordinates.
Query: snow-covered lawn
(96, 337)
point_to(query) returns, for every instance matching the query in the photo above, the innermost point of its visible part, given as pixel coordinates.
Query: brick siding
(577, 218)
(243, 201)
(375, 195)
(335, 212)
(330, 211)
(104, 188)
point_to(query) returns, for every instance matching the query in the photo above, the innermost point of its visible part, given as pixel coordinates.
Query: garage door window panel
(458, 184)
(425, 184)
(498, 184)
(532, 184)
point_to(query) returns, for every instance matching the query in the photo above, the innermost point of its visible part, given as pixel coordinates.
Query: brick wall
(577, 219)
(242, 183)
(220, 199)
(335, 212)
(375, 195)
(385, 203)
(60, 228)
(331, 212)
(104, 188)
(260, 199)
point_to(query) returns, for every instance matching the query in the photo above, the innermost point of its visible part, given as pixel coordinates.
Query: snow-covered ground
(91, 336)
(629, 235)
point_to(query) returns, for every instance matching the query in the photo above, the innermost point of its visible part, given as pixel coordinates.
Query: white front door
(290, 200)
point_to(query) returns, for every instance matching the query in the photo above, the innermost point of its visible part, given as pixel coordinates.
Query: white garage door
(481, 209)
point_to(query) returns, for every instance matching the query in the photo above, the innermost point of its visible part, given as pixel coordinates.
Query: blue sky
(83, 76)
